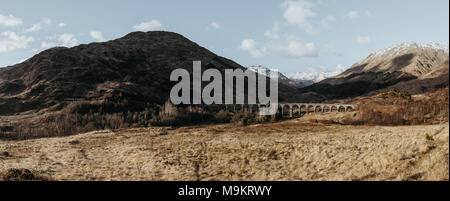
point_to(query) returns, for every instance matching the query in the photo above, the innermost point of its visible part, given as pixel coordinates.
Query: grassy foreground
(300, 149)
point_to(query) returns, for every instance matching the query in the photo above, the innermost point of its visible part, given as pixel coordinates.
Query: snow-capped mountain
(405, 48)
(312, 76)
(416, 59)
(266, 71)
(282, 78)
(299, 79)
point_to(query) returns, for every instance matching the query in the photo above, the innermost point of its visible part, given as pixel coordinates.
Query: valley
(307, 148)
(102, 112)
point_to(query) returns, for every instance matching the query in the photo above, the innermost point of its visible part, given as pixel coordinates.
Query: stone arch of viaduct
(301, 107)
(314, 107)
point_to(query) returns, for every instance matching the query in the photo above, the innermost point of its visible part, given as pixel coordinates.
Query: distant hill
(281, 77)
(131, 73)
(297, 79)
(309, 78)
(410, 67)
(418, 60)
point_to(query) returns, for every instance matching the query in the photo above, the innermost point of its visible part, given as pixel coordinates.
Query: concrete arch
(326, 108)
(310, 108)
(286, 109)
(334, 108)
(280, 109)
(349, 108)
(318, 108)
(303, 109)
(296, 110)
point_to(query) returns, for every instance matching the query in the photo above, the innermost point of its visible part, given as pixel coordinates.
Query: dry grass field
(299, 149)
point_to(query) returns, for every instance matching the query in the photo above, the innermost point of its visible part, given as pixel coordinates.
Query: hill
(409, 67)
(131, 73)
(281, 77)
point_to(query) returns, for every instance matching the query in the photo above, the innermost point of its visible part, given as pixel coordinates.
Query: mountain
(311, 77)
(129, 73)
(132, 73)
(412, 58)
(298, 79)
(281, 77)
(409, 66)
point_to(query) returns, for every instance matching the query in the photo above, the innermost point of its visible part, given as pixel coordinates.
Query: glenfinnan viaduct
(316, 107)
(291, 109)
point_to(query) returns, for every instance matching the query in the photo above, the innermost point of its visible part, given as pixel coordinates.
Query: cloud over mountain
(10, 41)
(10, 21)
(98, 36)
(299, 13)
(153, 25)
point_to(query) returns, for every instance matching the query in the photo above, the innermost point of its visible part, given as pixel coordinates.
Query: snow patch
(405, 48)
(308, 76)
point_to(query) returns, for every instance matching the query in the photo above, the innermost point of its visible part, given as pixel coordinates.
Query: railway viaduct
(291, 109)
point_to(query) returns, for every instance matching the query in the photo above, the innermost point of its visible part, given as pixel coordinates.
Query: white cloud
(10, 21)
(61, 24)
(214, 25)
(298, 13)
(328, 22)
(47, 45)
(34, 28)
(289, 48)
(250, 46)
(364, 40)
(47, 21)
(10, 41)
(353, 14)
(97, 36)
(67, 40)
(63, 40)
(292, 49)
(368, 13)
(153, 25)
(273, 34)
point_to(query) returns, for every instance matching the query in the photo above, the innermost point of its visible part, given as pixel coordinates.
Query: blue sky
(292, 35)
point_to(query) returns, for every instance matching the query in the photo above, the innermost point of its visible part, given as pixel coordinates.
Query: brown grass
(290, 150)
(22, 175)
(389, 108)
(84, 117)
(401, 109)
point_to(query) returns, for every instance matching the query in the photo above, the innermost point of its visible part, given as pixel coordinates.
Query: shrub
(400, 109)
(246, 118)
(393, 93)
(22, 175)
(181, 117)
(429, 137)
(128, 78)
(67, 123)
(222, 117)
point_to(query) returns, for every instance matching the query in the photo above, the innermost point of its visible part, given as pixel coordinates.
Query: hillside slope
(412, 58)
(303, 150)
(281, 77)
(132, 72)
(410, 67)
